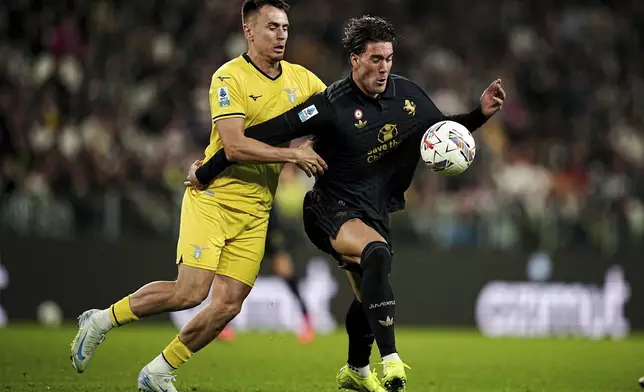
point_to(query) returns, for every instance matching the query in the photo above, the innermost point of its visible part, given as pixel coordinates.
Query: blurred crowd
(104, 105)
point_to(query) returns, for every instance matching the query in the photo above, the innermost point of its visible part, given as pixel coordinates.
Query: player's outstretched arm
(308, 118)
(472, 120)
(240, 148)
(200, 175)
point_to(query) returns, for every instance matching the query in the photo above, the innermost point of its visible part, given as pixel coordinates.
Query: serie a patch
(224, 97)
(308, 113)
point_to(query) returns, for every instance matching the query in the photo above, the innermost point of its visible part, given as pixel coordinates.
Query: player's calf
(379, 305)
(212, 319)
(361, 339)
(377, 296)
(189, 290)
(227, 297)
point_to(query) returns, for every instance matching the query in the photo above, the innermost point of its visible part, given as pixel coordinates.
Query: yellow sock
(176, 354)
(121, 312)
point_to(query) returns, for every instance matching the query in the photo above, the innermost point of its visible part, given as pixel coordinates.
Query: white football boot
(156, 382)
(89, 336)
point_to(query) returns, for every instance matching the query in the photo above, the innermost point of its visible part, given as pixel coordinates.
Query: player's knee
(351, 259)
(191, 287)
(186, 299)
(356, 322)
(229, 307)
(232, 310)
(376, 258)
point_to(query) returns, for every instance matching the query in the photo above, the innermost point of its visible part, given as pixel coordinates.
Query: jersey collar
(389, 93)
(249, 61)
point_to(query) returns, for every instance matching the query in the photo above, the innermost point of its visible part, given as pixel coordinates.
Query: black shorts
(323, 219)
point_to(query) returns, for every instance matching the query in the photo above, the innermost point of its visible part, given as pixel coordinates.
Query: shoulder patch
(224, 98)
(308, 113)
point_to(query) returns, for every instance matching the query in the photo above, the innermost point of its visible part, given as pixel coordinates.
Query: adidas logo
(388, 322)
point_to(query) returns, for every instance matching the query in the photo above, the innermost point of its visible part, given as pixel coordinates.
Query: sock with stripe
(116, 315)
(121, 312)
(173, 356)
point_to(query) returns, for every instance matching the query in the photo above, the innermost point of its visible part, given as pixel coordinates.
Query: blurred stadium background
(103, 106)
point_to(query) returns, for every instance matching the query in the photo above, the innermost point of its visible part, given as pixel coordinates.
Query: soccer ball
(448, 148)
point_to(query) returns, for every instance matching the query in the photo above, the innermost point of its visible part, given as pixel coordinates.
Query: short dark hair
(358, 32)
(252, 6)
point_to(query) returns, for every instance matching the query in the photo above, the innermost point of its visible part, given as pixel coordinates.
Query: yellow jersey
(240, 89)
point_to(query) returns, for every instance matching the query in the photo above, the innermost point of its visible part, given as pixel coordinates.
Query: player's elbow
(233, 151)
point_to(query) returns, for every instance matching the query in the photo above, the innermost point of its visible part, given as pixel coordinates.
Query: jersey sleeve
(210, 169)
(472, 120)
(315, 84)
(225, 96)
(311, 117)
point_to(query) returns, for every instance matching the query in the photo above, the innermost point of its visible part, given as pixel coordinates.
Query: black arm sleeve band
(311, 117)
(472, 120)
(213, 167)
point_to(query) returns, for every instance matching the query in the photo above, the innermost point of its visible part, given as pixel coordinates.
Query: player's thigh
(322, 222)
(202, 233)
(353, 237)
(242, 255)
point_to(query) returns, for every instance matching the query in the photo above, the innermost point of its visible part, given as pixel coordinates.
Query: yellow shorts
(219, 238)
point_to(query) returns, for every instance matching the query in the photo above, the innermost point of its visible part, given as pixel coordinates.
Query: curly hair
(358, 32)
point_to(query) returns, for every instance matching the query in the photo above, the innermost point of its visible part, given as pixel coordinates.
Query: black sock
(360, 335)
(292, 284)
(377, 296)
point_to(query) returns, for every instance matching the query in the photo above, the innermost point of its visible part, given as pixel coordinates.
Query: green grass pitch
(37, 359)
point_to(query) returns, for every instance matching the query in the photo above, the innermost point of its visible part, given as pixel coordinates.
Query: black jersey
(371, 145)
